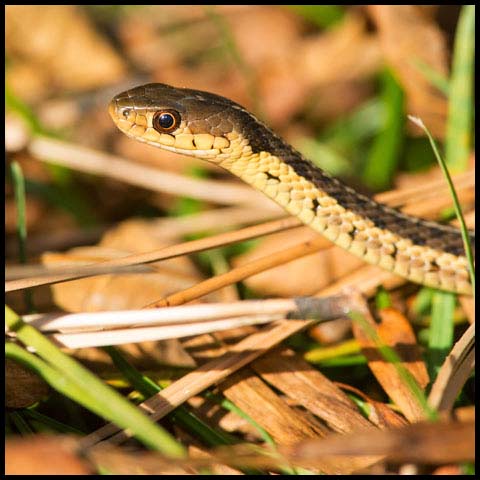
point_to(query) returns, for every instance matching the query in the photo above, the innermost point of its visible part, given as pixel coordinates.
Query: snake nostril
(116, 110)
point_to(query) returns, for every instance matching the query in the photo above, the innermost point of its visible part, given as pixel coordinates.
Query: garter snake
(213, 128)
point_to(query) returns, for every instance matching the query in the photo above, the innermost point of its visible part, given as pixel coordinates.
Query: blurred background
(335, 81)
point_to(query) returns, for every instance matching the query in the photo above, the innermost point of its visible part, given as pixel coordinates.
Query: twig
(51, 322)
(218, 369)
(162, 254)
(240, 273)
(92, 161)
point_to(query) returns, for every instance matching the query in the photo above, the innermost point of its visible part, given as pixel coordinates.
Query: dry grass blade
(287, 426)
(240, 273)
(432, 189)
(454, 372)
(170, 227)
(434, 443)
(440, 442)
(227, 217)
(81, 330)
(216, 370)
(365, 280)
(171, 316)
(91, 161)
(121, 336)
(412, 198)
(163, 254)
(298, 380)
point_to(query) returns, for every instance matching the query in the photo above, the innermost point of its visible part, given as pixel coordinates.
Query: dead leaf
(44, 455)
(380, 414)
(55, 41)
(316, 271)
(396, 332)
(407, 35)
(22, 387)
(286, 425)
(347, 52)
(292, 375)
(121, 291)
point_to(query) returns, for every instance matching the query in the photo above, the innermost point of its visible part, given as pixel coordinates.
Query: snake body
(214, 128)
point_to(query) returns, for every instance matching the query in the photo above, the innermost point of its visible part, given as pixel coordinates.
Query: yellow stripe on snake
(213, 128)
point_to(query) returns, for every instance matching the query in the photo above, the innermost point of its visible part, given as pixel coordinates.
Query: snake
(213, 128)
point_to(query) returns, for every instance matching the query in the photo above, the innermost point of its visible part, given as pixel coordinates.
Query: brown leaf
(326, 63)
(121, 291)
(58, 41)
(286, 425)
(298, 380)
(396, 332)
(380, 414)
(406, 35)
(347, 52)
(44, 455)
(316, 271)
(22, 387)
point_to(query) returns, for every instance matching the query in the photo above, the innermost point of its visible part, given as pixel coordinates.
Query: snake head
(181, 120)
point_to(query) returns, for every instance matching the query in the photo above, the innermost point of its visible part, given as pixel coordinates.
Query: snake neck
(421, 251)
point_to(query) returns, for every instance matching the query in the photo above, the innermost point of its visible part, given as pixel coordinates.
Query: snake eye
(166, 121)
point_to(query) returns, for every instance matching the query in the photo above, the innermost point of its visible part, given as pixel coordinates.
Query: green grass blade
(19, 192)
(382, 299)
(20, 423)
(423, 300)
(20, 202)
(391, 356)
(14, 104)
(440, 340)
(322, 15)
(181, 415)
(345, 361)
(438, 80)
(384, 155)
(456, 203)
(460, 105)
(318, 355)
(87, 389)
(50, 424)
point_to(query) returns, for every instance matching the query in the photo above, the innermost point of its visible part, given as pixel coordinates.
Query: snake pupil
(165, 121)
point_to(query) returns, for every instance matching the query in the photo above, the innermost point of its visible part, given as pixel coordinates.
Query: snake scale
(213, 128)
